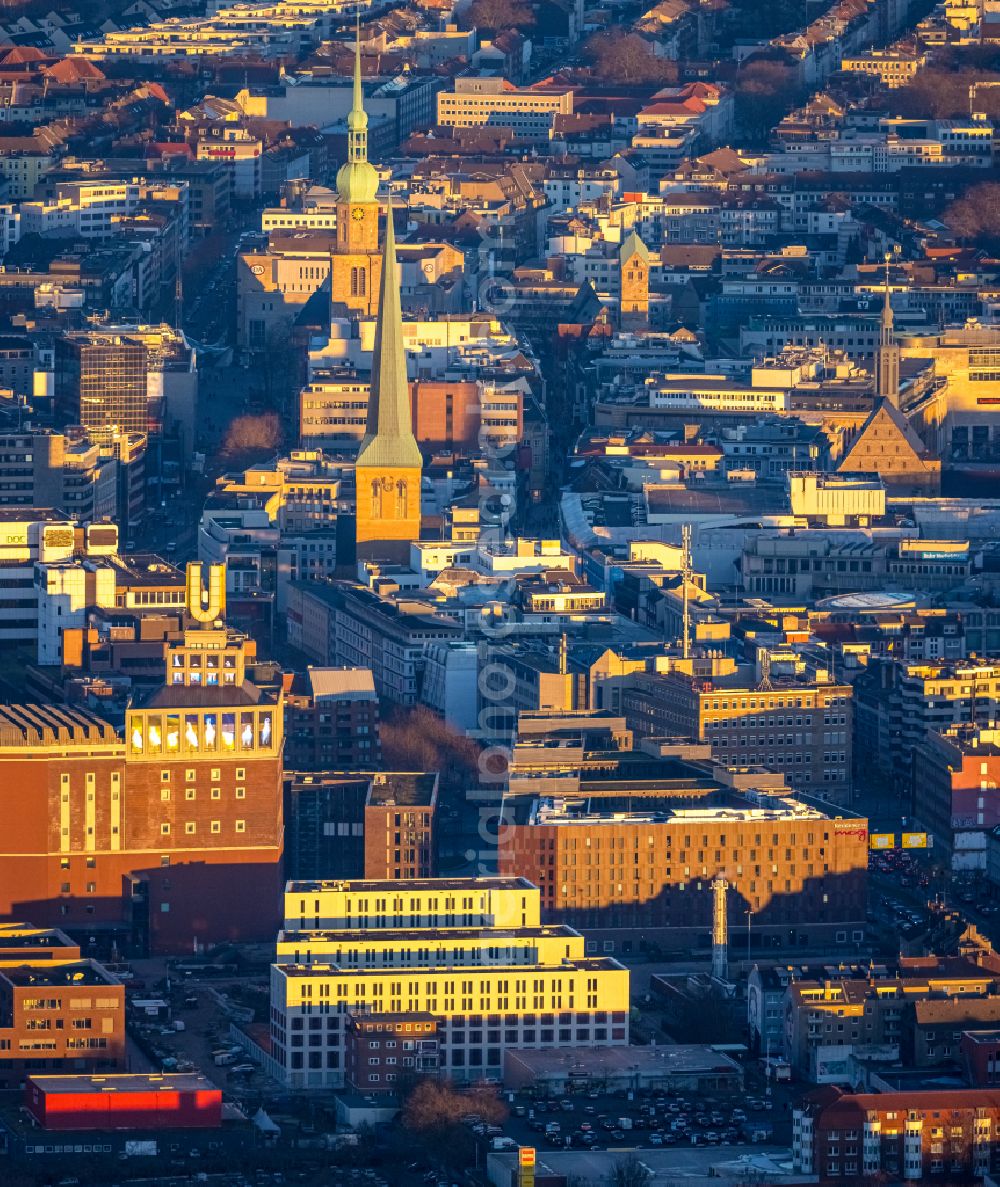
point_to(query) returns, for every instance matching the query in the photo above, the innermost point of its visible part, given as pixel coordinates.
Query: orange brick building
(646, 874)
(57, 1011)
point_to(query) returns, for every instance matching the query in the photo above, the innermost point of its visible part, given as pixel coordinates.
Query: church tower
(389, 465)
(887, 355)
(633, 265)
(355, 264)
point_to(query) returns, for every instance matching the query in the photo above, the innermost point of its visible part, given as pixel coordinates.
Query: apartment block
(828, 1019)
(896, 703)
(948, 1133)
(379, 1047)
(331, 720)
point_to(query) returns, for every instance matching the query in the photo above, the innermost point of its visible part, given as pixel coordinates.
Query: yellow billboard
(526, 1166)
(882, 840)
(915, 841)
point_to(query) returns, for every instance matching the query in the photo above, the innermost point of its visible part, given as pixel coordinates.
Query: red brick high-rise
(166, 838)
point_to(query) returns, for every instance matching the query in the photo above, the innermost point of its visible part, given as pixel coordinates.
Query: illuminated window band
(201, 733)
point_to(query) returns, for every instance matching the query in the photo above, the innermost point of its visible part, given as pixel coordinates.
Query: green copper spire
(357, 180)
(389, 439)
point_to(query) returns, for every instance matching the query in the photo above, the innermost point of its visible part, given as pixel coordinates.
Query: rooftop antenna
(686, 580)
(563, 655)
(765, 673)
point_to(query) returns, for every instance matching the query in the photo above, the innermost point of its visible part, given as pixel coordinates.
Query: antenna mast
(720, 930)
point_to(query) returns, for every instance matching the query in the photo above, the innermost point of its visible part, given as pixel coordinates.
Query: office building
(101, 383)
(58, 1012)
(378, 826)
(631, 859)
(34, 536)
(528, 111)
(468, 954)
(801, 728)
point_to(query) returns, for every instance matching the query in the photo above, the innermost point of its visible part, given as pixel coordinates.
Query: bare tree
(252, 436)
(765, 91)
(629, 1172)
(495, 15)
(418, 740)
(628, 58)
(975, 217)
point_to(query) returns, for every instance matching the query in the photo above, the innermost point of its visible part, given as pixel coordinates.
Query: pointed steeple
(887, 355)
(886, 333)
(389, 439)
(357, 180)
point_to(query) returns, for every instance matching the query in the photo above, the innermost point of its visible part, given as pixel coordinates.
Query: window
(190, 828)
(241, 826)
(216, 826)
(165, 830)
(216, 793)
(241, 793)
(190, 793)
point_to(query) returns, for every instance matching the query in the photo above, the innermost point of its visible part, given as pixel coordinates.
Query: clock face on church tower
(358, 214)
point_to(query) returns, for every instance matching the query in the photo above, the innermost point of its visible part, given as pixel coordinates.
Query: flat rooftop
(375, 886)
(146, 568)
(83, 972)
(583, 963)
(725, 805)
(359, 935)
(682, 1059)
(49, 938)
(32, 515)
(132, 1082)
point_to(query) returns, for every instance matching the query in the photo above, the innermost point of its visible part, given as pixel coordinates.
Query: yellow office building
(471, 953)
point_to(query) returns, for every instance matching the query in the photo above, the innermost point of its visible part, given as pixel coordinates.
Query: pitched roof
(73, 70)
(884, 411)
(633, 246)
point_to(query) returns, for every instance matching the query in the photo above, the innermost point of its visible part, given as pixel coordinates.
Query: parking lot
(650, 1119)
(198, 1029)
